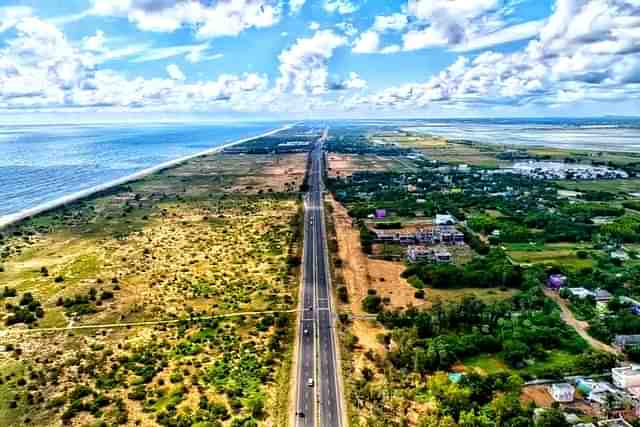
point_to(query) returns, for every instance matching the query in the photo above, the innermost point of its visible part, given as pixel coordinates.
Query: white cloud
(347, 28)
(522, 31)
(343, 7)
(395, 22)
(155, 54)
(354, 82)
(95, 43)
(41, 70)
(175, 72)
(369, 42)
(587, 51)
(314, 26)
(304, 66)
(209, 19)
(10, 15)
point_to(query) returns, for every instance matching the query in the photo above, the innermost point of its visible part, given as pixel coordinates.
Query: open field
(190, 241)
(450, 152)
(346, 164)
(611, 186)
(550, 253)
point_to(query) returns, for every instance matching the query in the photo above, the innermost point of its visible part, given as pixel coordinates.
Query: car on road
(305, 332)
(310, 382)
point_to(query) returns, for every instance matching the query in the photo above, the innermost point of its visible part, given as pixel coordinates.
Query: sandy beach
(28, 213)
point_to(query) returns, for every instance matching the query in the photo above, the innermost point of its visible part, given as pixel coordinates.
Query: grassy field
(550, 253)
(492, 363)
(450, 152)
(199, 239)
(611, 186)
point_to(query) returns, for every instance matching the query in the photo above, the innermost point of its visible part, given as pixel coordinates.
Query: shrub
(343, 294)
(372, 304)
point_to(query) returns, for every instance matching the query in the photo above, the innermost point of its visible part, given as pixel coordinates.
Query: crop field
(180, 245)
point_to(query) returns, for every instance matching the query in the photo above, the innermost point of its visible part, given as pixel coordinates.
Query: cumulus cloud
(304, 66)
(209, 19)
(10, 15)
(41, 69)
(95, 43)
(369, 42)
(585, 51)
(354, 82)
(175, 72)
(343, 7)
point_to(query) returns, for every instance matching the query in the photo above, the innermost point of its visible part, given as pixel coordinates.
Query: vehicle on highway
(310, 382)
(305, 332)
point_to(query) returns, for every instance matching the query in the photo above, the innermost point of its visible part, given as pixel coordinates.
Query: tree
(552, 418)
(372, 304)
(515, 352)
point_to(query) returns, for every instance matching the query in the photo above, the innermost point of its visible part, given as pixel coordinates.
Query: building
(419, 253)
(618, 422)
(562, 392)
(602, 296)
(444, 220)
(556, 281)
(626, 376)
(581, 293)
(443, 257)
(624, 341)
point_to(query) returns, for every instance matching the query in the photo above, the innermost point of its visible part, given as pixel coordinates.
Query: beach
(44, 207)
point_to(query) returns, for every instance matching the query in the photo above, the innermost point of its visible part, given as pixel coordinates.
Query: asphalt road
(317, 358)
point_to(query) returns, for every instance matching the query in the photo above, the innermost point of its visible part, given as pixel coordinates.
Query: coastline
(11, 219)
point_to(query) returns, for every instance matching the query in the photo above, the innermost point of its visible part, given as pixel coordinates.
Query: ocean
(42, 163)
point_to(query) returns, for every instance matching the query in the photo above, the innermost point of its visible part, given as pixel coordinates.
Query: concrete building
(626, 376)
(562, 392)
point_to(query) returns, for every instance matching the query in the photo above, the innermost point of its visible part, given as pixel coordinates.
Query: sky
(296, 59)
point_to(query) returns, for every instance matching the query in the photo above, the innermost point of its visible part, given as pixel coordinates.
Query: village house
(562, 392)
(623, 341)
(626, 376)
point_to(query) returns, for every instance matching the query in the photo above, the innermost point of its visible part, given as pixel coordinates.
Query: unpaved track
(580, 326)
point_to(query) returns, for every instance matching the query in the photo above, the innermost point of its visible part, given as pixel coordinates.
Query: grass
(610, 186)
(492, 363)
(550, 253)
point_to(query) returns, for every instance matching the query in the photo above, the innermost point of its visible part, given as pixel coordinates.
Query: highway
(318, 387)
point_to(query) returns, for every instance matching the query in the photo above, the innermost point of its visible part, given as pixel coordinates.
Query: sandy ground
(347, 164)
(539, 394)
(361, 273)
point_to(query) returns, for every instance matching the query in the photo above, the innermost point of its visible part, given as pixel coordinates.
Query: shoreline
(11, 219)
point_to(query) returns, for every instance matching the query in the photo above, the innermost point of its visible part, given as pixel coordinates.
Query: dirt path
(72, 327)
(580, 326)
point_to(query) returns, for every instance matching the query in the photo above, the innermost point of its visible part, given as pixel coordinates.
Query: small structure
(602, 296)
(618, 422)
(444, 220)
(443, 257)
(624, 341)
(556, 281)
(626, 376)
(381, 213)
(562, 392)
(419, 253)
(581, 293)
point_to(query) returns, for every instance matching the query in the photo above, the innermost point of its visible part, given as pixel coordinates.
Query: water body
(606, 134)
(40, 164)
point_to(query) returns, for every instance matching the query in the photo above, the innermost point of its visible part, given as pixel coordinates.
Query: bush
(372, 304)
(343, 294)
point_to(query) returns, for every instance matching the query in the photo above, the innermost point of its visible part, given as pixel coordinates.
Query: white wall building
(626, 376)
(562, 392)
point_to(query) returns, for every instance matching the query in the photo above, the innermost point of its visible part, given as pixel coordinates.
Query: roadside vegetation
(196, 240)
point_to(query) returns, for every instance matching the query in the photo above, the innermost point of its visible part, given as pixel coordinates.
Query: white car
(310, 382)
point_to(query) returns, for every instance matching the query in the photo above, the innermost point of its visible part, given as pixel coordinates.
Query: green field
(550, 253)
(492, 363)
(610, 186)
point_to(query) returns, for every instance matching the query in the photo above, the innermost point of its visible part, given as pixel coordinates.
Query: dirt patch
(361, 273)
(539, 394)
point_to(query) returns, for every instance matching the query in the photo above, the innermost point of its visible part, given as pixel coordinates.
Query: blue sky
(319, 58)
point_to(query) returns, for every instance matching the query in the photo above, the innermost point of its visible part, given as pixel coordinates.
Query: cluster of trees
(525, 327)
(625, 229)
(493, 270)
(27, 311)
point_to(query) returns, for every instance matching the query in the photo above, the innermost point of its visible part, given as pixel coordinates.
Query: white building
(626, 376)
(562, 392)
(444, 220)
